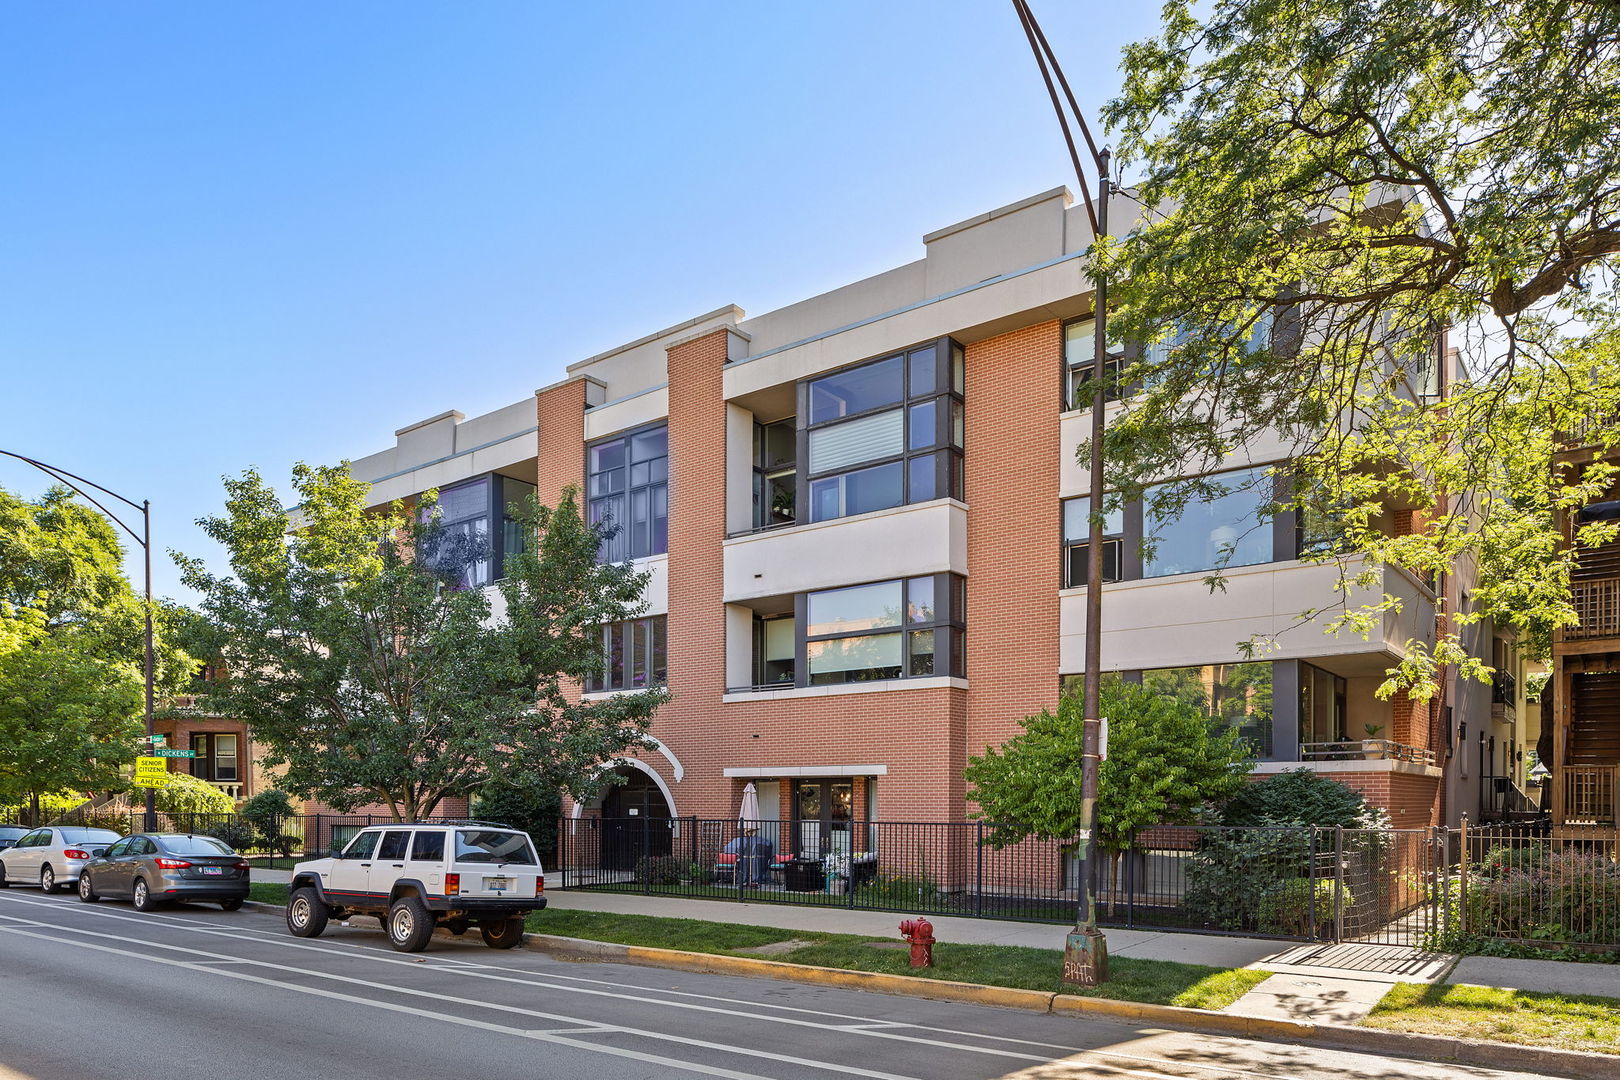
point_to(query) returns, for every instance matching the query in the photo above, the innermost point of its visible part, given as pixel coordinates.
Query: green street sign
(174, 753)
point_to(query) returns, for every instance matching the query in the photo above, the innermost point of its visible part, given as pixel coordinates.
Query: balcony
(1590, 795)
(1365, 750)
(1504, 696)
(1597, 605)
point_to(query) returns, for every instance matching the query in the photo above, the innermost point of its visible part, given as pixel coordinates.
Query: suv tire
(503, 935)
(306, 915)
(410, 925)
(143, 896)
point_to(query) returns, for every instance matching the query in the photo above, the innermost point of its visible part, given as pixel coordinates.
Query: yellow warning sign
(152, 772)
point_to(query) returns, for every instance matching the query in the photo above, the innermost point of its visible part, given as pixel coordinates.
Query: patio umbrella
(748, 816)
(748, 822)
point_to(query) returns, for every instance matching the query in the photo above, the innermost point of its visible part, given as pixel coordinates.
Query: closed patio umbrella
(751, 865)
(748, 816)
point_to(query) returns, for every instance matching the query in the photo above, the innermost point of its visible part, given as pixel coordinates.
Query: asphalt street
(99, 990)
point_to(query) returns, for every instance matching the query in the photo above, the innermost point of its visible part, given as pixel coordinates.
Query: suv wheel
(306, 915)
(410, 926)
(503, 935)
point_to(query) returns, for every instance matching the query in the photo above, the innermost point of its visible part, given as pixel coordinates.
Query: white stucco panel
(923, 539)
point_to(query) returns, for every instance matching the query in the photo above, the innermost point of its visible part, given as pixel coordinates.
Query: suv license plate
(497, 883)
(213, 870)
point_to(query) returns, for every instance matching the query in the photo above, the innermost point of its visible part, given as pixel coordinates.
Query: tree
(362, 666)
(71, 644)
(187, 794)
(1333, 192)
(1166, 761)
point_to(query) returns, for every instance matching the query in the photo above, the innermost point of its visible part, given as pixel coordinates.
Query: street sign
(174, 753)
(157, 740)
(151, 772)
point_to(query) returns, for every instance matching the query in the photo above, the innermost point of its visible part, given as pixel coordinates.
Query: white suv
(419, 875)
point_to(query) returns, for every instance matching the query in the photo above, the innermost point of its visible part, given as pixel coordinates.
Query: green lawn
(1155, 981)
(267, 892)
(1515, 1016)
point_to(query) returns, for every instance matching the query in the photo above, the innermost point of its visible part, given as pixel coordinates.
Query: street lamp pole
(1085, 954)
(143, 538)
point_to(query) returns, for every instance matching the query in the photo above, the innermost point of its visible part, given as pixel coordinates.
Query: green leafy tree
(186, 794)
(1332, 192)
(363, 668)
(1166, 762)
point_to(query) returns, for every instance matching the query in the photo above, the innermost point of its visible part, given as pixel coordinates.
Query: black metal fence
(1519, 882)
(1305, 883)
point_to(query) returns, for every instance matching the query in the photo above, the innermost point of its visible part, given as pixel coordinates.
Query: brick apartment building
(860, 512)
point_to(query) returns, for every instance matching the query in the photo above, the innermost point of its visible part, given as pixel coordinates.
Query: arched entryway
(635, 820)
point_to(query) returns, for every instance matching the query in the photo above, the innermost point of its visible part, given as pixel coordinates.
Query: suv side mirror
(334, 853)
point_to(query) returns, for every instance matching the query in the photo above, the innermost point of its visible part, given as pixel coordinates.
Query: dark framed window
(775, 473)
(1239, 694)
(1230, 528)
(1080, 364)
(1077, 542)
(904, 628)
(217, 756)
(636, 656)
(629, 488)
(883, 433)
(775, 654)
(466, 549)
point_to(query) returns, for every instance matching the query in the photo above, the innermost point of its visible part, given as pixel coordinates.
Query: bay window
(906, 628)
(884, 433)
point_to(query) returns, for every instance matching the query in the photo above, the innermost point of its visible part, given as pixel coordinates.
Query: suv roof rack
(444, 821)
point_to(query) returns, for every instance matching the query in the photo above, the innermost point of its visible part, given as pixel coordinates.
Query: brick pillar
(560, 449)
(1011, 459)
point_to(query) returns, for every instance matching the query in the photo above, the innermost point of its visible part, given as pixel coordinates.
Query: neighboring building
(1581, 703)
(863, 519)
(225, 754)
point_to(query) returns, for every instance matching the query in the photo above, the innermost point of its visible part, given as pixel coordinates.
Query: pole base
(1085, 958)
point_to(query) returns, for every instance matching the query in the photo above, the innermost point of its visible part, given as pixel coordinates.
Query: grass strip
(1564, 1021)
(267, 892)
(1161, 982)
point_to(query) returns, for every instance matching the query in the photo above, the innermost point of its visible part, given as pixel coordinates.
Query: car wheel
(47, 879)
(86, 892)
(233, 904)
(503, 935)
(410, 926)
(143, 896)
(306, 915)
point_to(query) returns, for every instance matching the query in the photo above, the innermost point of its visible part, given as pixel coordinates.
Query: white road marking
(728, 1048)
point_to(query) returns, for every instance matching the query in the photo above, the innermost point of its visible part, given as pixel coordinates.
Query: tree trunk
(33, 818)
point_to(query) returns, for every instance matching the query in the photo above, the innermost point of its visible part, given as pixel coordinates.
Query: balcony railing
(1365, 750)
(1597, 605)
(1589, 795)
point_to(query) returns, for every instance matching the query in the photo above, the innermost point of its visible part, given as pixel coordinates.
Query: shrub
(185, 794)
(1234, 873)
(1299, 797)
(660, 870)
(535, 814)
(235, 832)
(1287, 909)
(1570, 896)
(266, 812)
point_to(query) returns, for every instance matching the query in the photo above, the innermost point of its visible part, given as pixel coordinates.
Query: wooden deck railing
(1597, 603)
(1590, 795)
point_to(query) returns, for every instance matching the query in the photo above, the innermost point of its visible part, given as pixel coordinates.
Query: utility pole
(1085, 953)
(143, 538)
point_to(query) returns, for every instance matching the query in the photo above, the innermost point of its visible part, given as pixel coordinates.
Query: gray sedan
(153, 868)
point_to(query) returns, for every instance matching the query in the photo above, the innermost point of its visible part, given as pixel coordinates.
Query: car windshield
(490, 846)
(194, 845)
(98, 836)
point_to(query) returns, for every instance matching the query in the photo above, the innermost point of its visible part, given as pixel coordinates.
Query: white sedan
(52, 857)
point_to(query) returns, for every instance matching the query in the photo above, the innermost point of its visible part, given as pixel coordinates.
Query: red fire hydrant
(920, 932)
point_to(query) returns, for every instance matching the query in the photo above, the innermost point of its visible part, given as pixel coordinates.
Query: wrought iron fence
(1519, 882)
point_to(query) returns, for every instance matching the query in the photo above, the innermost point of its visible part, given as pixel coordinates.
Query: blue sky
(241, 235)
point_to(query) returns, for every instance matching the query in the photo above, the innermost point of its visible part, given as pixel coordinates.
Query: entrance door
(635, 822)
(822, 810)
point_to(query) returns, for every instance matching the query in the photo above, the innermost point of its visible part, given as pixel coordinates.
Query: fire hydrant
(920, 932)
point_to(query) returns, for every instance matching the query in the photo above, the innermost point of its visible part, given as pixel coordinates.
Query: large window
(1239, 694)
(465, 549)
(216, 756)
(636, 656)
(629, 489)
(1230, 528)
(885, 630)
(1077, 540)
(886, 433)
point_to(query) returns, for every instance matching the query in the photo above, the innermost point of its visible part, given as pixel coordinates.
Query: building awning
(772, 772)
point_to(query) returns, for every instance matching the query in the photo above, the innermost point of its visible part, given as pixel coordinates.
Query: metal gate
(1388, 884)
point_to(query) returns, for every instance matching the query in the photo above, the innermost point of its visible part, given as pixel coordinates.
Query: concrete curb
(1580, 1064)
